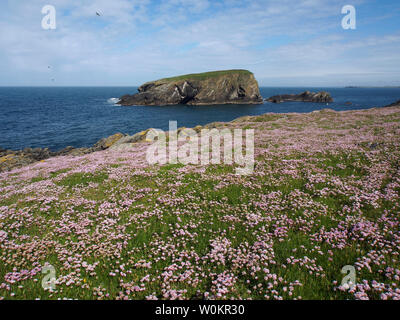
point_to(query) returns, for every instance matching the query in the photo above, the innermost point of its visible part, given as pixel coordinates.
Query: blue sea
(56, 117)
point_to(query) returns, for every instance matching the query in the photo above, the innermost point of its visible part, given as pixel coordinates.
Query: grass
(82, 179)
(206, 75)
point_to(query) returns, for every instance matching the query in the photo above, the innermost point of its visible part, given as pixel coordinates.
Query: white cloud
(136, 41)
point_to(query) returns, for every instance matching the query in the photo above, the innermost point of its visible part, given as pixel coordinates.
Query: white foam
(113, 100)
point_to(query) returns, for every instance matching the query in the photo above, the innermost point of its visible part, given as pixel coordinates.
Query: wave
(113, 100)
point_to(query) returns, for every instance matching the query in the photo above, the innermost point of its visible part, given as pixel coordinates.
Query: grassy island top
(206, 75)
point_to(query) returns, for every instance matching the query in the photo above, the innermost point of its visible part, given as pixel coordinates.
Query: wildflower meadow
(324, 194)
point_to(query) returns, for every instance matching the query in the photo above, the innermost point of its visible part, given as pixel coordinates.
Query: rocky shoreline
(10, 159)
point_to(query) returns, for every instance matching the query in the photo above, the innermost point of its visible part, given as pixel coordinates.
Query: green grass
(205, 75)
(82, 179)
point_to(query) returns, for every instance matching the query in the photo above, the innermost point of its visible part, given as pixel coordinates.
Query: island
(307, 96)
(208, 88)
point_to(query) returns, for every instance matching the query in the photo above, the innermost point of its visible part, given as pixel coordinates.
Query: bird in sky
(98, 14)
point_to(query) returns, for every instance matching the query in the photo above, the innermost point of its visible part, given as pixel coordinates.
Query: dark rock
(307, 96)
(65, 151)
(127, 141)
(220, 87)
(105, 143)
(40, 154)
(10, 159)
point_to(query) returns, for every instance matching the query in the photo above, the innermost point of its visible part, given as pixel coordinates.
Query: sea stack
(217, 87)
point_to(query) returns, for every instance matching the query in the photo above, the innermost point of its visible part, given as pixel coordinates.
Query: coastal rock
(219, 87)
(307, 96)
(105, 143)
(10, 159)
(65, 151)
(127, 141)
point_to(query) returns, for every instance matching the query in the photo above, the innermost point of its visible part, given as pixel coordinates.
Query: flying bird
(98, 14)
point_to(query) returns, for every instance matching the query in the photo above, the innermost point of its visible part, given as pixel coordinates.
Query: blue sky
(284, 42)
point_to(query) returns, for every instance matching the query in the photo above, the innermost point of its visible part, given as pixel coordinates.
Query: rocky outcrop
(10, 159)
(105, 143)
(307, 96)
(219, 87)
(127, 141)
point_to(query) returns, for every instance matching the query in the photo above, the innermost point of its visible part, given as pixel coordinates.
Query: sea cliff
(218, 87)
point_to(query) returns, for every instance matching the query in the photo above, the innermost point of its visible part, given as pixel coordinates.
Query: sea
(56, 117)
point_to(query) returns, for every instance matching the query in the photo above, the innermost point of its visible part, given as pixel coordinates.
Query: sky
(283, 42)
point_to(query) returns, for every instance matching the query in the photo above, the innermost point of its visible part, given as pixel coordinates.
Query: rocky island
(217, 87)
(307, 96)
